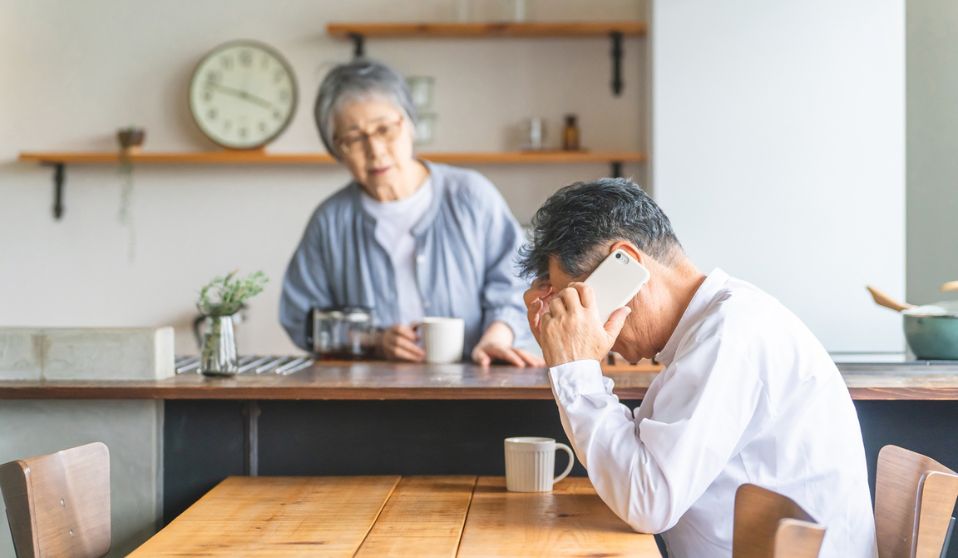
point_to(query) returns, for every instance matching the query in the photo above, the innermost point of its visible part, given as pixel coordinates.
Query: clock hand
(242, 95)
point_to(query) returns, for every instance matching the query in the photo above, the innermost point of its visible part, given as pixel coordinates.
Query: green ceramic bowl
(932, 337)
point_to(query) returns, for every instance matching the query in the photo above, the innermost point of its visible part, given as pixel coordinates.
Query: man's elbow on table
(642, 521)
(632, 497)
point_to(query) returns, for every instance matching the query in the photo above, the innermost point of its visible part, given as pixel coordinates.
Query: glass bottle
(570, 134)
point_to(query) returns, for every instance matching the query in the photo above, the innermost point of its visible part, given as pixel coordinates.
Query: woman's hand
(399, 343)
(496, 344)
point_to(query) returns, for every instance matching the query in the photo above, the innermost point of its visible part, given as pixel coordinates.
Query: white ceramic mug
(442, 339)
(530, 463)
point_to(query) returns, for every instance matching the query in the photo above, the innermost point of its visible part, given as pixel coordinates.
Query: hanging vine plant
(130, 140)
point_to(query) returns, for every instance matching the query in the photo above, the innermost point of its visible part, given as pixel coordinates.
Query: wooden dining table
(396, 516)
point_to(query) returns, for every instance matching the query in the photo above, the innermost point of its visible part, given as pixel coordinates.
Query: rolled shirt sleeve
(651, 469)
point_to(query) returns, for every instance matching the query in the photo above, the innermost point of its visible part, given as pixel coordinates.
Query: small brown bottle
(570, 134)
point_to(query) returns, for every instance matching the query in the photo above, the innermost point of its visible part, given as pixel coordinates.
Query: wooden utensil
(949, 286)
(883, 299)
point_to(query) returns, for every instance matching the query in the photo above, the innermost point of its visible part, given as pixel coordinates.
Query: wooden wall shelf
(60, 159)
(615, 31)
(279, 158)
(476, 30)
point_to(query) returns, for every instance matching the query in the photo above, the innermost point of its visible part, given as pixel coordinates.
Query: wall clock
(243, 94)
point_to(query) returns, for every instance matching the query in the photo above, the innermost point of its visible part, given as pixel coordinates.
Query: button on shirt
(394, 224)
(747, 395)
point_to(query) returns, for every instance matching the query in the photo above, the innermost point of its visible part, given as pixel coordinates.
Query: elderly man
(747, 393)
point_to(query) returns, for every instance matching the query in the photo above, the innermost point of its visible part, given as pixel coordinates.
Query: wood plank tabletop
(276, 516)
(405, 381)
(388, 516)
(570, 521)
(423, 517)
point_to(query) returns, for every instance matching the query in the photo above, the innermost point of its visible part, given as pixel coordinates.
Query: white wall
(777, 147)
(932, 148)
(778, 138)
(73, 72)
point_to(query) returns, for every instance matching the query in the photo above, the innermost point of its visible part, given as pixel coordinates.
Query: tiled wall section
(86, 353)
(133, 432)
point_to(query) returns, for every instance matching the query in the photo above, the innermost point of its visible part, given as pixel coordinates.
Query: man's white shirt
(747, 395)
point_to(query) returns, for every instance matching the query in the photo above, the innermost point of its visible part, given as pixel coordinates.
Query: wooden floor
(396, 516)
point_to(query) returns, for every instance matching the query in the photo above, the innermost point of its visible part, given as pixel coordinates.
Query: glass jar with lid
(327, 333)
(358, 332)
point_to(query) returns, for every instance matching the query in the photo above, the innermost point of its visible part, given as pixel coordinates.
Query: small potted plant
(130, 138)
(219, 300)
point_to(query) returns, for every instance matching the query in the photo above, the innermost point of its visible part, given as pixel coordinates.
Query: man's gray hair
(580, 219)
(358, 79)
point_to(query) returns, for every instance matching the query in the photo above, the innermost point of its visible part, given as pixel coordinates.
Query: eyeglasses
(352, 143)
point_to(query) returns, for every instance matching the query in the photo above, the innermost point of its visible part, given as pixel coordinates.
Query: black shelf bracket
(617, 84)
(616, 170)
(251, 412)
(59, 176)
(359, 44)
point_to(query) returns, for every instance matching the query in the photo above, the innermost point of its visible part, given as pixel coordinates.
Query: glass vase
(218, 356)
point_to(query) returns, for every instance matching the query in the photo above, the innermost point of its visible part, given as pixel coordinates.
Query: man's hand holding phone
(566, 324)
(569, 324)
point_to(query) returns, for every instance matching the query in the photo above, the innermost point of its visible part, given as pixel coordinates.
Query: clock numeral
(207, 95)
(278, 75)
(227, 124)
(242, 132)
(283, 95)
(211, 114)
(245, 57)
(227, 62)
(262, 126)
(264, 61)
(277, 115)
(213, 76)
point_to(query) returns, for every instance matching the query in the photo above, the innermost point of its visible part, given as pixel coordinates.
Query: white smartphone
(617, 279)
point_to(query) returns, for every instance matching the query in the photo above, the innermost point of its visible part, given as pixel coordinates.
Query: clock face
(243, 95)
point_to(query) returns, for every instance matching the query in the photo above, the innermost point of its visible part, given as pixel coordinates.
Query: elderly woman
(405, 237)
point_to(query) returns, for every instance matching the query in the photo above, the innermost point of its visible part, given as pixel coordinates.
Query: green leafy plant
(224, 296)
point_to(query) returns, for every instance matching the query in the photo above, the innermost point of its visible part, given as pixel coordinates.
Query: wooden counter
(393, 381)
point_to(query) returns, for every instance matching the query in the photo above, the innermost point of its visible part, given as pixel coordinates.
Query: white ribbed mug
(530, 463)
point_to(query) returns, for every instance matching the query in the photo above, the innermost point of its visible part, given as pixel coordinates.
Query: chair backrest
(914, 499)
(770, 525)
(59, 504)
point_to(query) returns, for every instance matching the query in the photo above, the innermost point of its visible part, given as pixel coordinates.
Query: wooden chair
(914, 500)
(59, 504)
(770, 525)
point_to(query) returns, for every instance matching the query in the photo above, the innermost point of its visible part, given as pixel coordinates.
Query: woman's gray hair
(357, 79)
